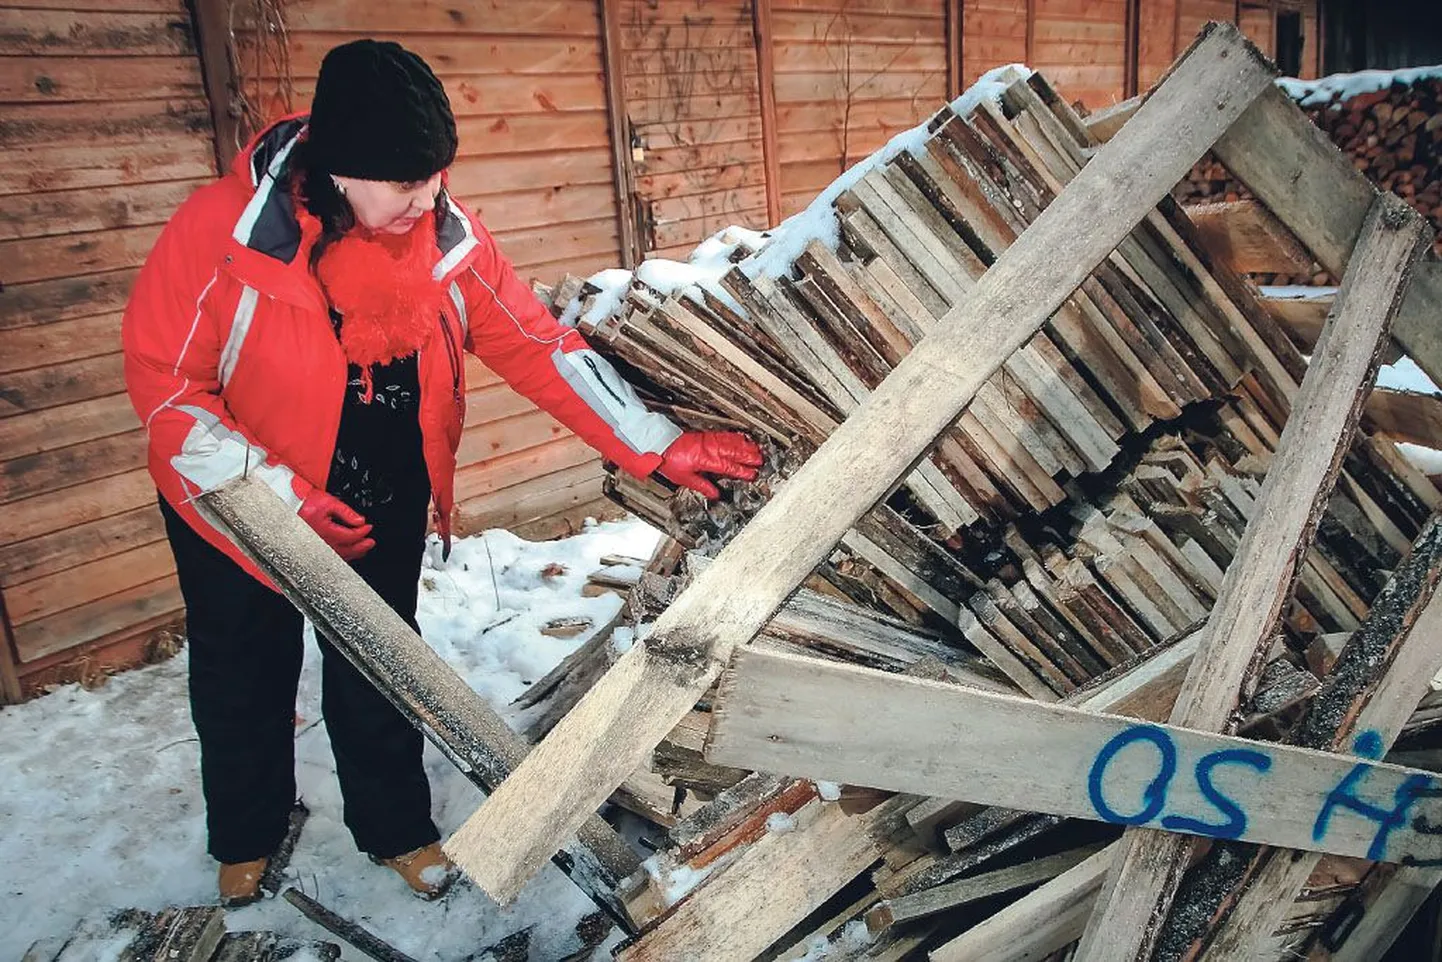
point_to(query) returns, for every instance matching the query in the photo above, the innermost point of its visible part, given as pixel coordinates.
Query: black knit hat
(379, 113)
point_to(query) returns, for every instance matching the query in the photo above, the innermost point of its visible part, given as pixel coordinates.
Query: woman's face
(388, 207)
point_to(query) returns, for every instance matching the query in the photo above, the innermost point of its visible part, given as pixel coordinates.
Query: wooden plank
(527, 17)
(766, 86)
(724, 921)
(90, 209)
(1407, 416)
(212, 22)
(1273, 147)
(113, 122)
(83, 503)
(42, 345)
(1145, 873)
(52, 258)
(68, 79)
(608, 734)
(394, 658)
(1245, 235)
(34, 474)
(780, 712)
(99, 619)
(58, 33)
(34, 169)
(65, 298)
(613, 68)
(1365, 703)
(50, 594)
(80, 544)
(10, 690)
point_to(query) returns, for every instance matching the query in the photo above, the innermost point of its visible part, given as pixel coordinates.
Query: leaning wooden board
(780, 712)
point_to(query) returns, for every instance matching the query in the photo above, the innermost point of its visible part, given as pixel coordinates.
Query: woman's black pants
(245, 644)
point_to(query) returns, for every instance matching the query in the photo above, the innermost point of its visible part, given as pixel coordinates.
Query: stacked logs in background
(1394, 136)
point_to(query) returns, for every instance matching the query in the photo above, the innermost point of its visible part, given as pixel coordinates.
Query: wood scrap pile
(174, 935)
(1075, 526)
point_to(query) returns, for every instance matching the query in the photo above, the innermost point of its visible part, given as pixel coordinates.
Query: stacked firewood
(1065, 539)
(1393, 135)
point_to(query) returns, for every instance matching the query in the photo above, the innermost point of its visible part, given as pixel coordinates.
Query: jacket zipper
(453, 355)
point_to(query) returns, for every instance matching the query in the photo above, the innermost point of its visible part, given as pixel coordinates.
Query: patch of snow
(818, 221)
(1405, 375)
(780, 823)
(613, 284)
(853, 937)
(622, 639)
(1297, 292)
(829, 791)
(676, 881)
(1426, 460)
(100, 793)
(1342, 87)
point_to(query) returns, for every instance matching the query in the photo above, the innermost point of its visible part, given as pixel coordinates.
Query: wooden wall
(849, 74)
(104, 130)
(693, 111)
(527, 83)
(994, 32)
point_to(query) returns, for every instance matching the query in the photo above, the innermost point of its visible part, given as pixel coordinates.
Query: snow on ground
(100, 790)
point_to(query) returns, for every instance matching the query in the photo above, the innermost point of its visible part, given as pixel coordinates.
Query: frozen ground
(100, 804)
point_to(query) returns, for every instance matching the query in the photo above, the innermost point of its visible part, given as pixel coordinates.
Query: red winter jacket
(233, 365)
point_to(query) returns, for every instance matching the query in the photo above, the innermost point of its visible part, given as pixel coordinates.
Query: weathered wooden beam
(1249, 238)
(1318, 433)
(653, 685)
(955, 39)
(1273, 149)
(614, 63)
(401, 666)
(780, 712)
(1407, 416)
(766, 86)
(10, 690)
(210, 21)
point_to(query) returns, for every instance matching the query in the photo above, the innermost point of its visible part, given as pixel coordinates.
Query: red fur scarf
(382, 287)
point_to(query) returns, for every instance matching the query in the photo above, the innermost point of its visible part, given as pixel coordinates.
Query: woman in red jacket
(303, 320)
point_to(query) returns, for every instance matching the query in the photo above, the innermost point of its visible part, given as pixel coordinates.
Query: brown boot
(426, 870)
(240, 883)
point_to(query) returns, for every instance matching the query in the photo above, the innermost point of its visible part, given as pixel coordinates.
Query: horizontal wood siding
(104, 131)
(1157, 40)
(1081, 47)
(993, 33)
(693, 107)
(850, 74)
(526, 81)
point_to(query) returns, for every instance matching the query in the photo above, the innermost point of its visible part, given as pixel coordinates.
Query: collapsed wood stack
(1069, 529)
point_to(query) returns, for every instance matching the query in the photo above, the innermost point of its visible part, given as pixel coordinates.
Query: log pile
(1393, 135)
(1066, 538)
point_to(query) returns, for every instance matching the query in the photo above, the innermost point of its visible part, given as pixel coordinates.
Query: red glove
(723, 453)
(340, 526)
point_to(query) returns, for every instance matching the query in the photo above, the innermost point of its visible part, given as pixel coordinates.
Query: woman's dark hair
(315, 189)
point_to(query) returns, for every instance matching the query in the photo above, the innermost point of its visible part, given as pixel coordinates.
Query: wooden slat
(91, 208)
(35, 474)
(608, 734)
(63, 509)
(36, 169)
(46, 387)
(622, 175)
(41, 345)
(64, 298)
(60, 33)
(781, 712)
(80, 544)
(115, 121)
(54, 258)
(525, 17)
(52, 79)
(53, 593)
(95, 620)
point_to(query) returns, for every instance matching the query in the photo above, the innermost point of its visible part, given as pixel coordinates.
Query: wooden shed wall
(104, 130)
(693, 109)
(527, 83)
(849, 74)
